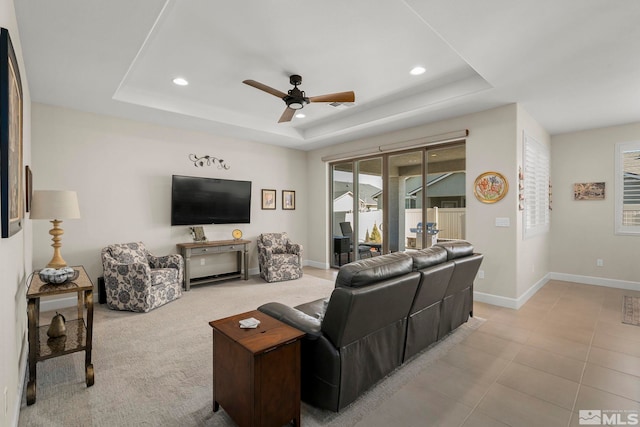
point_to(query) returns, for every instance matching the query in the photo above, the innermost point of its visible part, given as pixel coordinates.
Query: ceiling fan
(296, 98)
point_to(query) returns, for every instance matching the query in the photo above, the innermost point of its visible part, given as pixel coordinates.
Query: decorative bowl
(57, 276)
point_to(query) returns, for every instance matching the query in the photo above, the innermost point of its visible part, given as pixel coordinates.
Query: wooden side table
(256, 372)
(79, 334)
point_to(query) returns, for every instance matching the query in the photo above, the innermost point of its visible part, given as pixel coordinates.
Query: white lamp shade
(54, 204)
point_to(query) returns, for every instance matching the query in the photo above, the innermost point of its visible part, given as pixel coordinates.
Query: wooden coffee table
(256, 372)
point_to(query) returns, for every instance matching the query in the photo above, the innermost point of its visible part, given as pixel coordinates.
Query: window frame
(620, 228)
(536, 186)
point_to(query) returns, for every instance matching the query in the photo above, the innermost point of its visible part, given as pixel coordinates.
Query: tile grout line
(584, 367)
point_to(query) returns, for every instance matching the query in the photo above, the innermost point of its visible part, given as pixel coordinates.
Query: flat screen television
(197, 201)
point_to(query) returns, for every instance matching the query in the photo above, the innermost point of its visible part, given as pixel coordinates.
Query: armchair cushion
(128, 253)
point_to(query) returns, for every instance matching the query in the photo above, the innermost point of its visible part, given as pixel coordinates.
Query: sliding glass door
(399, 201)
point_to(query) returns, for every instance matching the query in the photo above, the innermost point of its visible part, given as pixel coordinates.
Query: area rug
(631, 310)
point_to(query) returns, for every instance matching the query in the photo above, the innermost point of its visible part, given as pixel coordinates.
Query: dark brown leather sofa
(382, 312)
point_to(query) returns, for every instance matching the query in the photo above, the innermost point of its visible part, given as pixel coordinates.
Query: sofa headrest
(456, 248)
(372, 270)
(427, 257)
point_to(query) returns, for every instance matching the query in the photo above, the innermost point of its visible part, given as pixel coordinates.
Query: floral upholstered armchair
(135, 280)
(279, 258)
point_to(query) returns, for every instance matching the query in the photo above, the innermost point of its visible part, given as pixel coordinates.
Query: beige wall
(15, 265)
(122, 171)
(492, 145)
(583, 231)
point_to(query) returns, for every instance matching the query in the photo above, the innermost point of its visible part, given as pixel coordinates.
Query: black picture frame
(11, 121)
(268, 199)
(288, 200)
(28, 187)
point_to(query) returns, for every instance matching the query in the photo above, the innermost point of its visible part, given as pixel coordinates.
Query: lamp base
(56, 232)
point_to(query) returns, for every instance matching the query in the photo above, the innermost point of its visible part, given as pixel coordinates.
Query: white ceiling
(572, 64)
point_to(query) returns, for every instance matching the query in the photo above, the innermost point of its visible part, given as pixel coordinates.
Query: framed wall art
(268, 199)
(588, 191)
(28, 187)
(11, 189)
(288, 200)
(490, 187)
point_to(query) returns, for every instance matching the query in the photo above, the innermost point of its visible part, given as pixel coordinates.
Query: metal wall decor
(206, 160)
(520, 189)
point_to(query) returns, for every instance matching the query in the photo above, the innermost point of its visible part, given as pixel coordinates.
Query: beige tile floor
(565, 350)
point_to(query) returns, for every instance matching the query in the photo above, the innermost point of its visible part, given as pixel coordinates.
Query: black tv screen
(196, 201)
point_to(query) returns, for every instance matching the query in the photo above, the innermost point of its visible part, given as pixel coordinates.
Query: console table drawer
(203, 251)
(230, 248)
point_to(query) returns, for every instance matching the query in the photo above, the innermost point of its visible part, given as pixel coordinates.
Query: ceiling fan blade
(334, 97)
(265, 88)
(287, 115)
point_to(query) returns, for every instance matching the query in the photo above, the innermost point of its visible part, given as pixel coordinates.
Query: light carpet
(155, 369)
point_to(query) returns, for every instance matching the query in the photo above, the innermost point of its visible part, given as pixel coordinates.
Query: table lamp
(55, 205)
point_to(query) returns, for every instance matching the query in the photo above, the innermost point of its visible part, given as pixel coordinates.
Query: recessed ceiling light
(416, 71)
(300, 115)
(180, 81)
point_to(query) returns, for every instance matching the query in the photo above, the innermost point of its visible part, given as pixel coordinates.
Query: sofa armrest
(293, 317)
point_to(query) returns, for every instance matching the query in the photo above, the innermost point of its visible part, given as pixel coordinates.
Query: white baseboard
(22, 375)
(495, 299)
(305, 263)
(516, 303)
(597, 281)
(316, 264)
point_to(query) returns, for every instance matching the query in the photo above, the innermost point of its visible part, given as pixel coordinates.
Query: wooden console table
(79, 334)
(256, 372)
(216, 247)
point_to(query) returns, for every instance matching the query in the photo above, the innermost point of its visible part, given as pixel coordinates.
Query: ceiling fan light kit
(296, 98)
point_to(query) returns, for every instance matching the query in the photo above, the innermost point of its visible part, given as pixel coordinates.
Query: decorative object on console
(587, 191)
(288, 200)
(10, 138)
(207, 161)
(268, 199)
(198, 234)
(55, 205)
(237, 234)
(490, 187)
